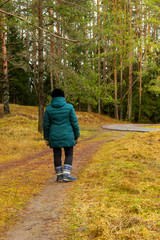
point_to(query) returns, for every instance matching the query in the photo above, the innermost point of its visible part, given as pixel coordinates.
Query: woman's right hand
(76, 140)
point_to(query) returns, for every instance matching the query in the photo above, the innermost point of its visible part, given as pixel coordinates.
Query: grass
(155, 126)
(19, 134)
(20, 141)
(118, 194)
(116, 197)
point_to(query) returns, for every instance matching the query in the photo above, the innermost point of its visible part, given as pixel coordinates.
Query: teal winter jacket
(60, 124)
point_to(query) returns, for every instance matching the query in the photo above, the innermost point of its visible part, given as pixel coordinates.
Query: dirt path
(40, 219)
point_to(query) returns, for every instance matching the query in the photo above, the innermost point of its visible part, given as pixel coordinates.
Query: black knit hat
(57, 92)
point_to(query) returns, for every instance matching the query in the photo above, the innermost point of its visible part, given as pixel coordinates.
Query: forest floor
(40, 219)
(26, 163)
(98, 205)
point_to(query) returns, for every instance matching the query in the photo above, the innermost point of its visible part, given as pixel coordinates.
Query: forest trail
(40, 219)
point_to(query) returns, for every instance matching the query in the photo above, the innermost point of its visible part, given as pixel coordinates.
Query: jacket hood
(58, 102)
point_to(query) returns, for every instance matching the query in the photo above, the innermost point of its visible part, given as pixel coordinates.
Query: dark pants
(58, 154)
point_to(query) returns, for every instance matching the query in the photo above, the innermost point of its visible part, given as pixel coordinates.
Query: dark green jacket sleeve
(74, 123)
(46, 126)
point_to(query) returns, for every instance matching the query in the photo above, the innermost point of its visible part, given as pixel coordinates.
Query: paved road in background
(130, 127)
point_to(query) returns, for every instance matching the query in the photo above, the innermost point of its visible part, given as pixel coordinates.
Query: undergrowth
(118, 194)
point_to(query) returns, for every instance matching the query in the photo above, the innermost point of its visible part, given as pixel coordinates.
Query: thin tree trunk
(115, 87)
(99, 52)
(27, 49)
(137, 34)
(94, 51)
(115, 67)
(34, 62)
(140, 80)
(154, 48)
(88, 105)
(145, 42)
(51, 54)
(149, 29)
(104, 47)
(5, 68)
(57, 43)
(121, 65)
(64, 62)
(130, 67)
(40, 68)
(34, 53)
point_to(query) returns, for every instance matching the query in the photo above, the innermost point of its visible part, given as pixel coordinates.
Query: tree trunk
(121, 69)
(27, 50)
(34, 62)
(137, 34)
(94, 51)
(51, 54)
(57, 43)
(140, 80)
(99, 52)
(115, 67)
(34, 57)
(88, 105)
(104, 48)
(130, 67)
(115, 87)
(5, 68)
(40, 68)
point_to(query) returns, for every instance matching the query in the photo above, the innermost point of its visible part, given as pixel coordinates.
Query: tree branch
(45, 30)
(4, 3)
(132, 86)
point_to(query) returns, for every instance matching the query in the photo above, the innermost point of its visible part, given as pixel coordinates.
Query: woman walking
(61, 130)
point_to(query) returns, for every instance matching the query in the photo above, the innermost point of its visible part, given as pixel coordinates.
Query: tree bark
(27, 48)
(115, 66)
(130, 67)
(121, 67)
(99, 52)
(86, 52)
(34, 57)
(34, 62)
(140, 80)
(40, 68)
(52, 49)
(104, 47)
(93, 29)
(5, 68)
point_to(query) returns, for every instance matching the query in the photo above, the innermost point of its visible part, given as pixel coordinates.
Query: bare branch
(4, 3)
(132, 86)
(45, 30)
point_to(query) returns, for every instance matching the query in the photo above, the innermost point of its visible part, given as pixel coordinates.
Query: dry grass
(20, 141)
(18, 133)
(118, 194)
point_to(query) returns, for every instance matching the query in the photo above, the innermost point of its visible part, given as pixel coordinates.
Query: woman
(61, 130)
